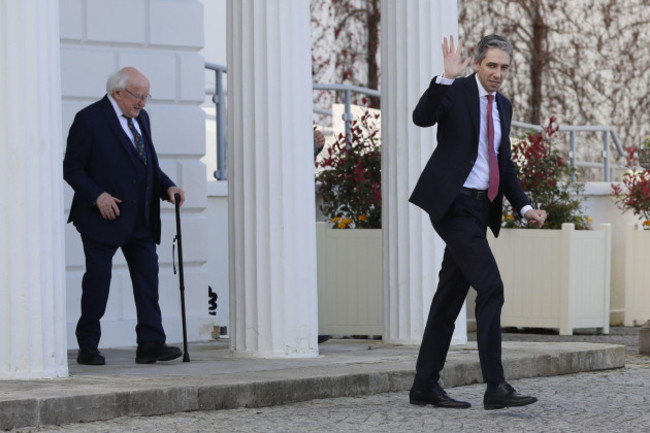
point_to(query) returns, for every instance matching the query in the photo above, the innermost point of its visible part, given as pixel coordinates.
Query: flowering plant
(548, 181)
(635, 193)
(349, 174)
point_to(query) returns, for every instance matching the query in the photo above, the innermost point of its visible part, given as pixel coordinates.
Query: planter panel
(555, 278)
(350, 292)
(637, 276)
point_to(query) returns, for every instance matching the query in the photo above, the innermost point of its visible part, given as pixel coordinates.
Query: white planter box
(637, 275)
(350, 293)
(555, 278)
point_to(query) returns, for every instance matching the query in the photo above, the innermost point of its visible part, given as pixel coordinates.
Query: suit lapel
(503, 116)
(116, 127)
(471, 95)
(143, 121)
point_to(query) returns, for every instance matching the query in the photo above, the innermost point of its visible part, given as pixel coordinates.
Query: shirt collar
(481, 90)
(118, 111)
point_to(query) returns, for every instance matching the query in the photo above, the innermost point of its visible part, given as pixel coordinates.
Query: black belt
(477, 194)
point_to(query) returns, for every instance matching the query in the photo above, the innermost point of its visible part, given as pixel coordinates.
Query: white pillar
(32, 283)
(272, 246)
(411, 35)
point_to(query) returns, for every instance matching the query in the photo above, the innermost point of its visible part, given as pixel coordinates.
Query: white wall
(163, 39)
(214, 51)
(217, 266)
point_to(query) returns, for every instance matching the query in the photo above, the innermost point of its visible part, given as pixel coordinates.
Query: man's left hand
(536, 217)
(175, 190)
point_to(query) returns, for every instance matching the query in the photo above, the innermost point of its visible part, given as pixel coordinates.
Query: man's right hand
(454, 66)
(108, 206)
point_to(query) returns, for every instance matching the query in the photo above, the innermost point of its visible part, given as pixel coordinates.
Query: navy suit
(462, 221)
(100, 157)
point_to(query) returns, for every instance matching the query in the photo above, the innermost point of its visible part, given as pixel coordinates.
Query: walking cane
(178, 239)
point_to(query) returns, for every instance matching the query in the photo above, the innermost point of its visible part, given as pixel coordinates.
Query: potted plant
(349, 177)
(548, 181)
(634, 195)
(349, 245)
(557, 277)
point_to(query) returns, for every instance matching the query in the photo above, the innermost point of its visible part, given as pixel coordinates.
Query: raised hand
(453, 62)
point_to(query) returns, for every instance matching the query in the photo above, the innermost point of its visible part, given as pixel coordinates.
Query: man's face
(133, 99)
(493, 69)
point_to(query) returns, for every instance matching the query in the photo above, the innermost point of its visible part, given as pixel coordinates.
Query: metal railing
(347, 89)
(607, 132)
(220, 103)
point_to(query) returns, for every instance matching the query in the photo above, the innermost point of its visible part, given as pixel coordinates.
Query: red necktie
(492, 156)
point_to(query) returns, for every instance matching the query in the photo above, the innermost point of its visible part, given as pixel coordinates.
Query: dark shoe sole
(444, 406)
(493, 406)
(149, 360)
(92, 362)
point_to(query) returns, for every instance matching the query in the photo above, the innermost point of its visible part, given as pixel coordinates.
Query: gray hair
(117, 81)
(492, 41)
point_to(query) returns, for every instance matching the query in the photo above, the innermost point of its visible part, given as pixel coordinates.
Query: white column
(411, 35)
(272, 245)
(32, 290)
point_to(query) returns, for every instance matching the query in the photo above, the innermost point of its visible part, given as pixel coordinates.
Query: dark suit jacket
(455, 109)
(99, 159)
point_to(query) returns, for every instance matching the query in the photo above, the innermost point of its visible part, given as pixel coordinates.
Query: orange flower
(363, 218)
(344, 223)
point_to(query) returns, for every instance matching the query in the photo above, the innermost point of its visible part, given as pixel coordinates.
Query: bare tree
(584, 61)
(345, 42)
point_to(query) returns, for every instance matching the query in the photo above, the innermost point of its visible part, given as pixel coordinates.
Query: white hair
(117, 81)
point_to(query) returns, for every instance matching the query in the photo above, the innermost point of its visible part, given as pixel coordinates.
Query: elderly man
(111, 164)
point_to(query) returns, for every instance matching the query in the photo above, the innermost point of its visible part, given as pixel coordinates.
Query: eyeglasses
(139, 97)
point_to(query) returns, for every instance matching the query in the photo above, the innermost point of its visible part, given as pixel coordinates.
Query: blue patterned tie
(137, 140)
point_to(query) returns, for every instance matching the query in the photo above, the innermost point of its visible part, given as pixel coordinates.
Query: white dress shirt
(123, 121)
(479, 177)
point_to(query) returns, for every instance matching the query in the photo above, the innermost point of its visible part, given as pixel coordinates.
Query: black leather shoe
(323, 338)
(437, 397)
(148, 353)
(90, 357)
(505, 396)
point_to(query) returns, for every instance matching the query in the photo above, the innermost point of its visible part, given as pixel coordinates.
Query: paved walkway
(596, 402)
(370, 379)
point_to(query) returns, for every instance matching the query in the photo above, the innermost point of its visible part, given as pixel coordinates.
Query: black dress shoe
(437, 397)
(323, 338)
(90, 357)
(148, 353)
(505, 396)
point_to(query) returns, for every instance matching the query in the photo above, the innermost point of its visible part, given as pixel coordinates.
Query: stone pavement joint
(217, 380)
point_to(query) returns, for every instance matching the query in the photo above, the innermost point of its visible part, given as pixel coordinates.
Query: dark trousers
(142, 260)
(468, 261)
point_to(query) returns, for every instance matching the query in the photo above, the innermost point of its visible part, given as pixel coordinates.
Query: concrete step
(215, 379)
